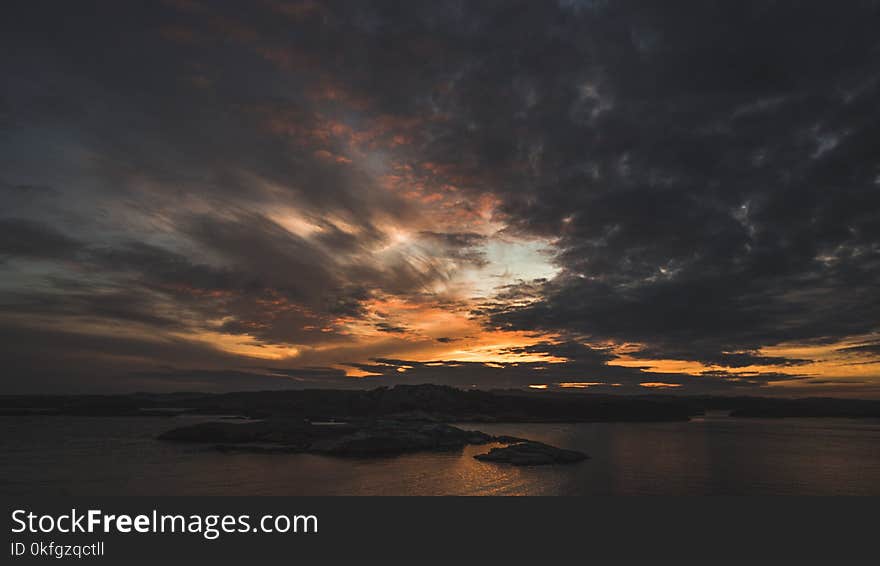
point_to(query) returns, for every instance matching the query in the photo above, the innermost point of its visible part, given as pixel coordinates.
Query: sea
(714, 455)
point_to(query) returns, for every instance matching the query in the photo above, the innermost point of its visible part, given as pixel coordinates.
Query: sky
(583, 195)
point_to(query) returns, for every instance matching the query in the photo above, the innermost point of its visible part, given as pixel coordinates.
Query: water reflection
(714, 455)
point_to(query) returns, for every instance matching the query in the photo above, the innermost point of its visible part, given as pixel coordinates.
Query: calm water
(108, 456)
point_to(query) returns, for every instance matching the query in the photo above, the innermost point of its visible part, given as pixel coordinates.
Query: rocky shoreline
(530, 453)
(366, 439)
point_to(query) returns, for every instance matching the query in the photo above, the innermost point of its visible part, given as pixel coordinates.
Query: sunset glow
(230, 194)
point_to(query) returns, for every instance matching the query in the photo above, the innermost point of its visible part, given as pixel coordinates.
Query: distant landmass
(434, 403)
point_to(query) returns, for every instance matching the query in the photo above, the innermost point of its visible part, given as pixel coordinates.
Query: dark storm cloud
(710, 181)
(122, 89)
(585, 373)
(267, 282)
(389, 327)
(726, 359)
(38, 359)
(578, 367)
(575, 352)
(460, 246)
(158, 131)
(863, 349)
(707, 171)
(26, 238)
(113, 304)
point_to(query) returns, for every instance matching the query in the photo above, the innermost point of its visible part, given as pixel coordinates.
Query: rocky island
(530, 453)
(365, 439)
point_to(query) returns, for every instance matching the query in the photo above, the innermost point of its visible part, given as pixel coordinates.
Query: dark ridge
(433, 403)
